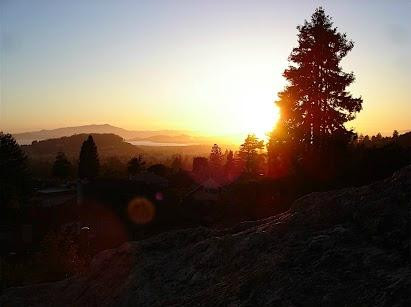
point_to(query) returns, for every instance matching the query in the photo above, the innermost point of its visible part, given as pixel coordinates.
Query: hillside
(346, 247)
(156, 136)
(107, 144)
(28, 137)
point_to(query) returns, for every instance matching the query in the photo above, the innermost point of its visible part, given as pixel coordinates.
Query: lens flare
(140, 210)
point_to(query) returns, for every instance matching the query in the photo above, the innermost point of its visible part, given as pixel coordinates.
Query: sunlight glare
(266, 121)
(260, 120)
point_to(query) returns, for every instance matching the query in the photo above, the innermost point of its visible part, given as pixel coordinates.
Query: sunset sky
(213, 67)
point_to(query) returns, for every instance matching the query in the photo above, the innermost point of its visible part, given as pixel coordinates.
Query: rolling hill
(107, 144)
(28, 137)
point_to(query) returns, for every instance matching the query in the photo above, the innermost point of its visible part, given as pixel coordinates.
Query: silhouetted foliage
(14, 175)
(89, 164)
(315, 104)
(61, 166)
(249, 153)
(215, 161)
(216, 156)
(395, 134)
(135, 165)
(229, 165)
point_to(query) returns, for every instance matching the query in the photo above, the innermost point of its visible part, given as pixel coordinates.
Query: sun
(262, 120)
(267, 121)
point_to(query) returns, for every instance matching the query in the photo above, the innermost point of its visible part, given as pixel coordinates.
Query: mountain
(107, 144)
(144, 136)
(28, 137)
(347, 247)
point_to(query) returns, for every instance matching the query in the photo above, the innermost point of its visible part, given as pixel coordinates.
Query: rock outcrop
(348, 247)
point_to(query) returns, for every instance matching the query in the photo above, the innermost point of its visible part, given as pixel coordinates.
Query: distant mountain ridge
(28, 137)
(155, 136)
(108, 144)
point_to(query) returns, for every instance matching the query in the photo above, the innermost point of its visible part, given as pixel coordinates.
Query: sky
(214, 67)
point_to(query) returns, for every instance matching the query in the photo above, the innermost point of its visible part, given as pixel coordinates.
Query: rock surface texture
(347, 247)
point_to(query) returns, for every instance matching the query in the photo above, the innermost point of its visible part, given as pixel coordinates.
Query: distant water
(151, 143)
(24, 141)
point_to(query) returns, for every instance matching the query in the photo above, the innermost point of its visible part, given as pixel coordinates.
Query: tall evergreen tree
(315, 104)
(61, 166)
(14, 175)
(229, 165)
(216, 157)
(89, 164)
(249, 153)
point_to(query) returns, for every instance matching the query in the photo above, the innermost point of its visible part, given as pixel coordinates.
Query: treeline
(362, 160)
(114, 154)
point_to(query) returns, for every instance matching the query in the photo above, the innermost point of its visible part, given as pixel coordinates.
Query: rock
(341, 248)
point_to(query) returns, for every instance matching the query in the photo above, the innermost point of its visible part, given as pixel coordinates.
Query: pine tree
(61, 166)
(249, 152)
(229, 165)
(89, 164)
(14, 174)
(216, 157)
(395, 134)
(315, 104)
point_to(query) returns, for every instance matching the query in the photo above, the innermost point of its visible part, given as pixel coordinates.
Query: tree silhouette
(249, 152)
(229, 165)
(61, 166)
(395, 134)
(135, 165)
(216, 159)
(14, 176)
(89, 164)
(315, 104)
